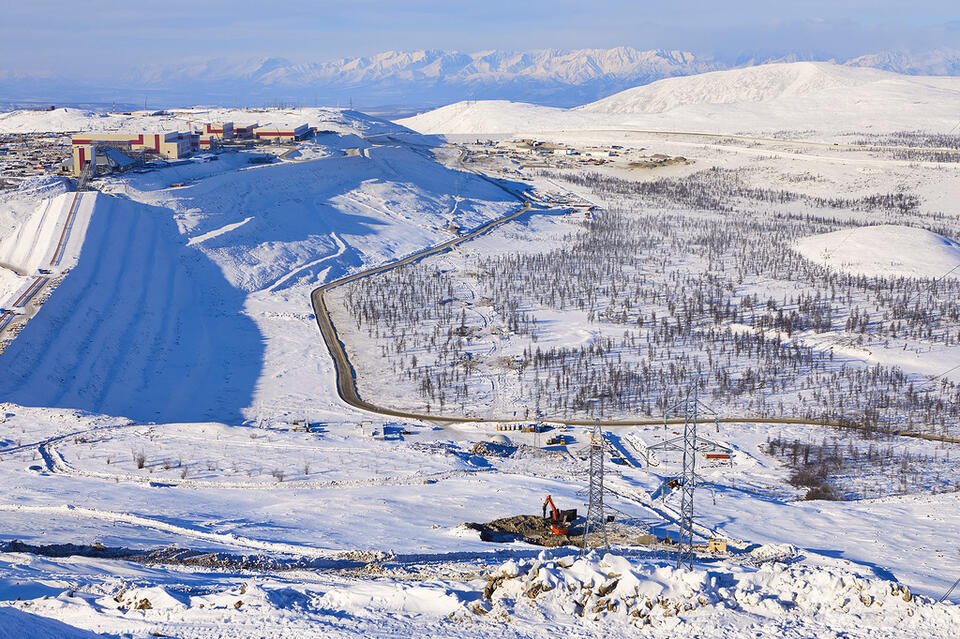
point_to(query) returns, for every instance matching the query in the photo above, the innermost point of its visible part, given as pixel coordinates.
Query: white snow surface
(72, 120)
(189, 307)
(774, 97)
(752, 84)
(156, 319)
(885, 250)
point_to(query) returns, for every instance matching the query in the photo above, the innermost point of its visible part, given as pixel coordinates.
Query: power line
(951, 589)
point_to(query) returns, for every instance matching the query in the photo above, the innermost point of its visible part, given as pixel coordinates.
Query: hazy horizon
(99, 40)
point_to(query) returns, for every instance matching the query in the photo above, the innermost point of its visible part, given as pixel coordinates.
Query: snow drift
(884, 251)
(609, 588)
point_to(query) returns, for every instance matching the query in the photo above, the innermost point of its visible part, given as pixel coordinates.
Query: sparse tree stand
(596, 523)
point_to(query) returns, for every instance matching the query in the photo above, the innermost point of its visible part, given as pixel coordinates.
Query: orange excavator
(560, 520)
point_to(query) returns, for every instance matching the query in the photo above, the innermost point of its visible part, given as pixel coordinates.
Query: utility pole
(596, 523)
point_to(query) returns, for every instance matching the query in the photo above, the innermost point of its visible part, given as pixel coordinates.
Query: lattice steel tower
(596, 515)
(689, 479)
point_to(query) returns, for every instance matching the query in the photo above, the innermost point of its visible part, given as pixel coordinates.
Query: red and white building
(173, 145)
(214, 133)
(220, 130)
(277, 132)
(244, 131)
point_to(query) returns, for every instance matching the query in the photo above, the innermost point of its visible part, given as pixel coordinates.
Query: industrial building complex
(108, 151)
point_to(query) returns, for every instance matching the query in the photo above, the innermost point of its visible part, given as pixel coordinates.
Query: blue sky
(96, 37)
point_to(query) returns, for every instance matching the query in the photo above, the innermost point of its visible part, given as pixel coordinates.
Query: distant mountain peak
(428, 77)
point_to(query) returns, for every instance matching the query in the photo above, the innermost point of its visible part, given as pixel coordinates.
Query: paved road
(346, 376)
(718, 137)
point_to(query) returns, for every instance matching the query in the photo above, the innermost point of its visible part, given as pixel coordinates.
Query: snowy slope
(884, 251)
(258, 225)
(138, 328)
(71, 120)
(753, 84)
(15, 624)
(17, 207)
(154, 322)
(34, 243)
(495, 116)
(795, 96)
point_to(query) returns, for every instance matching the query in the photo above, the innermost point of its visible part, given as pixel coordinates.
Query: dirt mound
(534, 529)
(513, 451)
(493, 449)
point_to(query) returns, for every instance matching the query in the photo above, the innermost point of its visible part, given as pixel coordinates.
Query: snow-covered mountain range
(421, 78)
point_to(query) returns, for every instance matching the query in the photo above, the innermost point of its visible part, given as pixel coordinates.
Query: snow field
(885, 251)
(68, 120)
(538, 596)
(771, 98)
(215, 278)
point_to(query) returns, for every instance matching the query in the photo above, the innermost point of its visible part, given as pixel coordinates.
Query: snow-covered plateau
(295, 398)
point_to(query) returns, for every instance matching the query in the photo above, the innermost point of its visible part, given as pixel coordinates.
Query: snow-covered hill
(884, 251)
(753, 84)
(157, 309)
(775, 97)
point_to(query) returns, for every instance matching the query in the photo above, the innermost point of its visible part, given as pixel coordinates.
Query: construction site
(604, 523)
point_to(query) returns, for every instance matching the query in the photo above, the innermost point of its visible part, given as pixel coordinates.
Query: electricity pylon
(596, 523)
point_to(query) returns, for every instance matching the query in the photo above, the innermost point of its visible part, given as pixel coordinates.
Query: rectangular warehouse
(277, 132)
(173, 145)
(218, 130)
(244, 131)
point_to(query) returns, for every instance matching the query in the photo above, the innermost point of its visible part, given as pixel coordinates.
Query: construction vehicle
(560, 520)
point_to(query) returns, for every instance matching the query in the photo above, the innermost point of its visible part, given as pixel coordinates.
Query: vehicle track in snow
(56, 463)
(228, 539)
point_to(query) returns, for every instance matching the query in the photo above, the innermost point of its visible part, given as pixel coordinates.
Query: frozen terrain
(176, 459)
(885, 250)
(817, 97)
